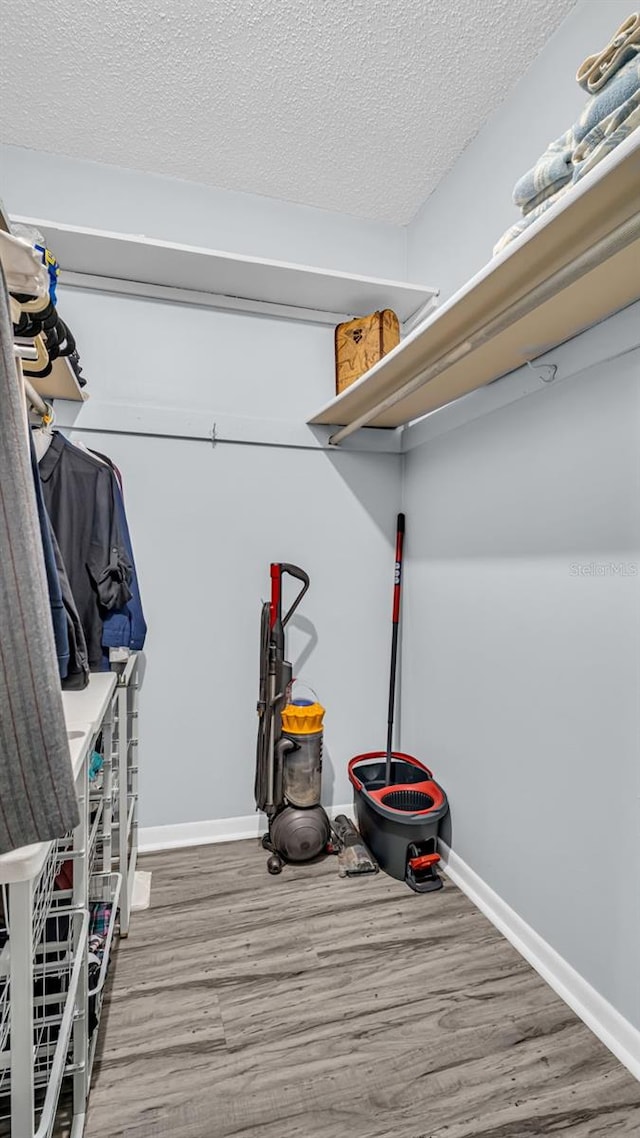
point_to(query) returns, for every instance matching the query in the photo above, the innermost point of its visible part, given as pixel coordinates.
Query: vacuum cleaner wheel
(300, 834)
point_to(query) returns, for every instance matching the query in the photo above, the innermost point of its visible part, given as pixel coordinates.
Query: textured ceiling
(353, 105)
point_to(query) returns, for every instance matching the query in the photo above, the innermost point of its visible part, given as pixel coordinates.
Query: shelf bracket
(545, 372)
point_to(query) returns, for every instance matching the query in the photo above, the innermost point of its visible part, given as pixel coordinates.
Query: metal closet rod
(36, 401)
(605, 248)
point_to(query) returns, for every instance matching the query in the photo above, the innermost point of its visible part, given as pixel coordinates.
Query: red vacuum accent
(276, 593)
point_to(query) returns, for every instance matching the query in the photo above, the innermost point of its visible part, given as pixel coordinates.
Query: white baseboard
(155, 838)
(620, 1036)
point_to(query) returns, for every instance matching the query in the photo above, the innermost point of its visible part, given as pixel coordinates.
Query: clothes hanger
(35, 316)
(42, 365)
(36, 402)
(34, 304)
(43, 434)
(40, 317)
(31, 311)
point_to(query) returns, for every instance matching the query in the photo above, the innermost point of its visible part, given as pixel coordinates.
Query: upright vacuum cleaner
(289, 749)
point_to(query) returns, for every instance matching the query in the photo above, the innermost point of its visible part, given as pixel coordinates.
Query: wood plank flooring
(308, 1006)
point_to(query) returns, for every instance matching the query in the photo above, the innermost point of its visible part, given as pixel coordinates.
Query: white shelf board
(61, 383)
(573, 267)
(145, 266)
(89, 705)
(25, 863)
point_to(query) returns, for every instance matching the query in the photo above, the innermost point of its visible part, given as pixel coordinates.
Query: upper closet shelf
(61, 383)
(574, 266)
(144, 266)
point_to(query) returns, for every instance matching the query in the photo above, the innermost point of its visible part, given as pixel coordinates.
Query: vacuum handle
(300, 575)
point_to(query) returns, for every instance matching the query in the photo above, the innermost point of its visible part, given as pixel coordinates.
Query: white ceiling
(353, 105)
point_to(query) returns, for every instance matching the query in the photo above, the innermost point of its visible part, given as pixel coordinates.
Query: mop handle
(397, 585)
(397, 588)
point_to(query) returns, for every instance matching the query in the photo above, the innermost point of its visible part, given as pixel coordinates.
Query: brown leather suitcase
(361, 343)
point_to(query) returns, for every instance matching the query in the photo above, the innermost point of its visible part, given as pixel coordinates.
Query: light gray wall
(207, 521)
(520, 673)
(453, 235)
(54, 188)
(521, 678)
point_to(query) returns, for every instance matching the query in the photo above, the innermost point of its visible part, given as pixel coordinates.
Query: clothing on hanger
(79, 495)
(111, 463)
(56, 604)
(124, 627)
(23, 267)
(71, 647)
(77, 676)
(42, 437)
(37, 793)
(31, 271)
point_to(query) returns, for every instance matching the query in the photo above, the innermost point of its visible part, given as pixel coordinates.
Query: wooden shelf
(61, 383)
(573, 267)
(143, 266)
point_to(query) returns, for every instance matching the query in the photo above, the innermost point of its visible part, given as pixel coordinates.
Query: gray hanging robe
(37, 794)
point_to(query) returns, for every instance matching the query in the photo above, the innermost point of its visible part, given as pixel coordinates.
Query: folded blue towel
(556, 167)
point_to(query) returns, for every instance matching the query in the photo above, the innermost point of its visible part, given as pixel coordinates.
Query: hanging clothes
(56, 604)
(71, 646)
(124, 627)
(77, 676)
(79, 495)
(37, 794)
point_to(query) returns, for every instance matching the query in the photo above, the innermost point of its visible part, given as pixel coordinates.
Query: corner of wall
(456, 228)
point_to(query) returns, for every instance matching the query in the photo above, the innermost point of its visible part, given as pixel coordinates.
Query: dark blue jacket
(125, 627)
(58, 611)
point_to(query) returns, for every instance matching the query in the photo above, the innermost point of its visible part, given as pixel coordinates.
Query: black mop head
(354, 857)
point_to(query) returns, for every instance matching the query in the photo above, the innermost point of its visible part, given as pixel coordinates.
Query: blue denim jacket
(125, 627)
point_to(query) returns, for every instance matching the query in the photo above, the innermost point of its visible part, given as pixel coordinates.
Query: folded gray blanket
(557, 166)
(604, 138)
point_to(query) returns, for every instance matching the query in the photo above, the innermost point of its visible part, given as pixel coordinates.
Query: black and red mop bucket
(398, 805)
(399, 819)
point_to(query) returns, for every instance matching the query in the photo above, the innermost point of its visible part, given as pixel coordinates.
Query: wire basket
(43, 893)
(104, 890)
(57, 968)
